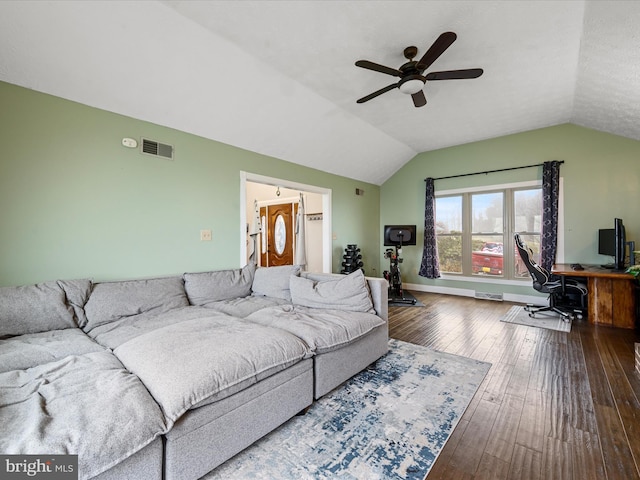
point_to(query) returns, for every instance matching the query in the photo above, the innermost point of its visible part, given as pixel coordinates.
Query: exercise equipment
(352, 259)
(396, 236)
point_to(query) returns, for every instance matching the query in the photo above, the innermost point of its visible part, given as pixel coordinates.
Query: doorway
(262, 191)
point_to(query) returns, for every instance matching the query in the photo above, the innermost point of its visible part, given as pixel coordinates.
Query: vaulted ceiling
(278, 77)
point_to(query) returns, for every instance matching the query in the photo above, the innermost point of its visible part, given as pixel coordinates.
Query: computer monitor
(613, 242)
(607, 242)
(399, 235)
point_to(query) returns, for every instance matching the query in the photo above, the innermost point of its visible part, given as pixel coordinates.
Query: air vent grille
(157, 149)
(489, 296)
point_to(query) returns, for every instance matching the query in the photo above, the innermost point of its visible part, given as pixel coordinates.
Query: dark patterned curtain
(430, 266)
(550, 194)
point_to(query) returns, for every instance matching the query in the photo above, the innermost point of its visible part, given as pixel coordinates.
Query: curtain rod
(494, 171)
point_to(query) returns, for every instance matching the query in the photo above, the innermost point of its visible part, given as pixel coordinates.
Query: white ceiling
(278, 77)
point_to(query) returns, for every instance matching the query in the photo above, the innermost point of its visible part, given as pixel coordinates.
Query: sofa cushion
(112, 301)
(242, 307)
(274, 281)
(323, 330)
(88, 405)
(349, 293)
(208, 287)
(186, 363)
(114, 334)
(33, 309)
(33, 349)
(77, 292)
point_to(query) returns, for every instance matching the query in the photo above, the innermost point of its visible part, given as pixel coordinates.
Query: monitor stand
(610, 266)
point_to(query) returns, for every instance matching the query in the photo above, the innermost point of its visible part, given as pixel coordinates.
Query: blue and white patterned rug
(388, 422)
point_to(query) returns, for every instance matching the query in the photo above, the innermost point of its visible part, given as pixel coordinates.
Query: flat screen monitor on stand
(613, 242)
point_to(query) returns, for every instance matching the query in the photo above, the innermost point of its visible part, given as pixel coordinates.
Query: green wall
(601, 181)
(75, 203)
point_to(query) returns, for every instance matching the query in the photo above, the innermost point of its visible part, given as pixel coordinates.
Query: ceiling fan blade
(419, 100)
(378, 92)
(378, 68)
(455, 74)
(443, 42)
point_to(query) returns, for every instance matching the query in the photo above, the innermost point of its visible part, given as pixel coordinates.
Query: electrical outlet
(205, 235)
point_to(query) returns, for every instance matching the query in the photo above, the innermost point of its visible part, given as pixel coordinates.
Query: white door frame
(277, 182)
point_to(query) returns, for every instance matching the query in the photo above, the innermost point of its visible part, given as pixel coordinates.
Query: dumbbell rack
(352, 259)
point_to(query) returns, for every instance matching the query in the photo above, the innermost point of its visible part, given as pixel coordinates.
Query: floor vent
(151, 147)
(489, 296)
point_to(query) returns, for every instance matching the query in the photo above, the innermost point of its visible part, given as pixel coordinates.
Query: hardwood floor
(553, 406)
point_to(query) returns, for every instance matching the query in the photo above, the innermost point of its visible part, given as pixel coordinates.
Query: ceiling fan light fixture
(412, 84)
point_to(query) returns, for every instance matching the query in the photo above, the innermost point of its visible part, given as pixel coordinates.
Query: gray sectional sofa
(168, 378)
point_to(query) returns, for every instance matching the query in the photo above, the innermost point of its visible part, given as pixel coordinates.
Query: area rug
(550, 320)
(388, 422)
(408, 296)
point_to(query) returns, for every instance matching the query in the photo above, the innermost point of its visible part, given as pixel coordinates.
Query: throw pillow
(349, 293)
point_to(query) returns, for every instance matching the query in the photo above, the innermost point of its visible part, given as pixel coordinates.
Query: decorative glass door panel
(280, 235)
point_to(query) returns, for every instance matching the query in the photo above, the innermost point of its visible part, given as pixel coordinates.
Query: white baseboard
(467, 292)
(532, 299)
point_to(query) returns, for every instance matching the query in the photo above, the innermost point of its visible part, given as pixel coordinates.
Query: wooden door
(280, 233)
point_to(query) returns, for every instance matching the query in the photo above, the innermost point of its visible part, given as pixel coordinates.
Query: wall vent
(157, 149)
(489, 296)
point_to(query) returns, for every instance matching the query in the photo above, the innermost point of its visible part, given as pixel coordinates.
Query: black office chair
(543, 282)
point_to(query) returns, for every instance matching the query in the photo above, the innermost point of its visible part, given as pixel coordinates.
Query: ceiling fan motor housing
(410, 52)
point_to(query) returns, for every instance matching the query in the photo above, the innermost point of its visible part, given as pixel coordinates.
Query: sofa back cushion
(77, 292)
(111, 301)
(34, 308)
(350, 293)
(209, 287)
(274, 281)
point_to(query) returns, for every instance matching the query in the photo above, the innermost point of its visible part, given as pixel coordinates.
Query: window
(487, 233)
(474, 229)
(528, 223)
(449, 233)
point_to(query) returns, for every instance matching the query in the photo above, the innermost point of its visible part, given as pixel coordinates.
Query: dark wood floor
(553, 406)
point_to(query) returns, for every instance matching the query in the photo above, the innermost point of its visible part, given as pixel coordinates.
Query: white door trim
(278, 182)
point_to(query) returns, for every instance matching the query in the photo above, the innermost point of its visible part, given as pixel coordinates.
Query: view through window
(475, 229)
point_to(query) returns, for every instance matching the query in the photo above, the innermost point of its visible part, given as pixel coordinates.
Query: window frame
(508, 218)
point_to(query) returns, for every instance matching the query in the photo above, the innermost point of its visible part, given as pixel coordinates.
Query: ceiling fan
(411, 73)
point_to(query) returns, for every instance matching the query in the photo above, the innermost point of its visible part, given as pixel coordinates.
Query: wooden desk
(611, 298)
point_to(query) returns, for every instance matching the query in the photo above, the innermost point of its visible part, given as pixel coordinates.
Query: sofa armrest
(379, 288)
